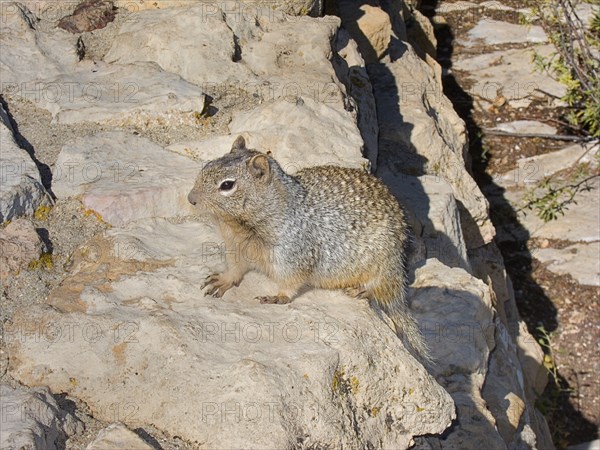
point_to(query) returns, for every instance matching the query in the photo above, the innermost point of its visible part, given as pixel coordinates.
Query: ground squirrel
(328, 227)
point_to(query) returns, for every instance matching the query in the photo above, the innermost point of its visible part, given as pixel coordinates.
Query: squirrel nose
(191, 199)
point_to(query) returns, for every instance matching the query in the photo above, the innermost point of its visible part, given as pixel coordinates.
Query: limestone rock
(488, 265)
(135, 6)
(535, 168)
(515, 371)
(419, 133)
(495, 32)
(168, 38)
(431, 200)
(35, 7)
(44, 68)
(370, 26)
(351, 71)
(29, 55)
(124, 177)
(579, 223)
(503, 391)
(531, 357)
(116, 94)
(299, 134)
(417, 123)
(267, 55)
(228, 372)
(20, 245)
(509, 73)
(325, 371)
(21, 189)
(526, 126)
(292, 57)
(454, 310)
(462, 5)
(302, 133)
(240, 8)
(314, 8)
(31, 418)
(421, 35)
(207, 149)
(579, 260)
(259, 49)
(586, 13)
(117, 436)
(399, 12)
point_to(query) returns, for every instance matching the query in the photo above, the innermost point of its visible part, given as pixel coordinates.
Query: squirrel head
(238, 184)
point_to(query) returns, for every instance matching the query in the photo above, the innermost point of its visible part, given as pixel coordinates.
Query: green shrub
(576, 62)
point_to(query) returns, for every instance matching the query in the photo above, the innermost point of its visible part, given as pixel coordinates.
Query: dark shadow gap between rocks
(44, 169)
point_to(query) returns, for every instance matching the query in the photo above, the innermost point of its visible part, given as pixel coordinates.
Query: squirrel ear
(259, 167)
(239, 144)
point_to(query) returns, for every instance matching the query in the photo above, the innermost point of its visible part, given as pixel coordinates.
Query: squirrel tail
(408, 330)
(391, 298)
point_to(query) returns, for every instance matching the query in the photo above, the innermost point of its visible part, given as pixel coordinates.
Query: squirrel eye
(227, 185)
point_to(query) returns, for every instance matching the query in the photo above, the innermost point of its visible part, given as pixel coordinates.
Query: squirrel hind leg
(274, 299)
(358, 292)
(374, 289)
(287, 292)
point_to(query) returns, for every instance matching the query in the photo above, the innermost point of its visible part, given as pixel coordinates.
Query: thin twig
(579, 183)
(566, 124)
(548, 94)
(561, 189)
(558, 137)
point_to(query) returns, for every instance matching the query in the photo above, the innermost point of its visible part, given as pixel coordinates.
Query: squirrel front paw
(218, 283)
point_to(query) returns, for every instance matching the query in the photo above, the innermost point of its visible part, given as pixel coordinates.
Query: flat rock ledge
(220, 371)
